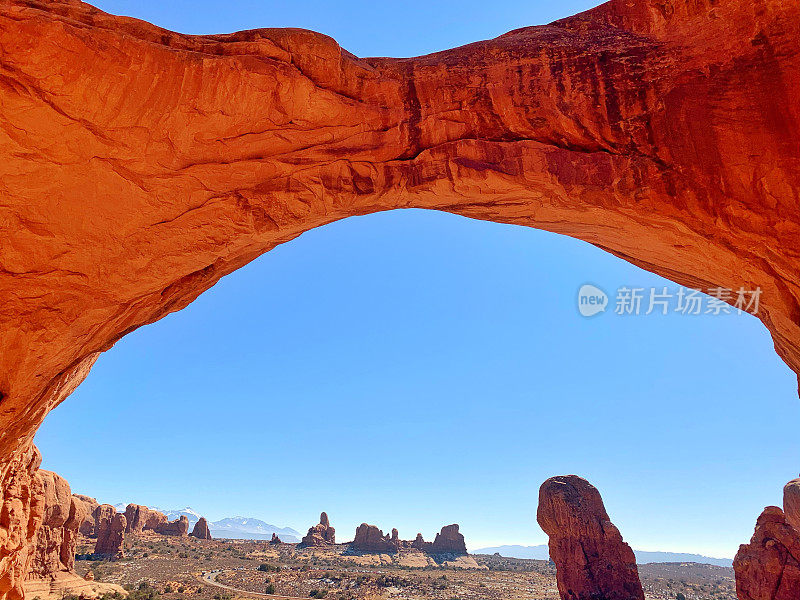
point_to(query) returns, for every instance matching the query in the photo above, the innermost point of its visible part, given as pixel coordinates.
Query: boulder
(201, 530)
(110, 533)
(592, 561)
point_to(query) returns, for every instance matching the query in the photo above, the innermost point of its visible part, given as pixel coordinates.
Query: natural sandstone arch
(139, 166)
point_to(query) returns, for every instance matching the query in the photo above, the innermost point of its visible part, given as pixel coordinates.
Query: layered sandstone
(663, 131)
(140, 518)
(110, 526)
(592, 561)
(321, 534)
(201, 530)
(57, 538)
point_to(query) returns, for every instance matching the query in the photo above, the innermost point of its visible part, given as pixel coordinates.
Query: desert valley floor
(174, 568)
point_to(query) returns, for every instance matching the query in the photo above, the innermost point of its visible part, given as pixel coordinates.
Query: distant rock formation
(448, 541)
(420, 544)
(768, 568)
(103, 512)
(57, 538)
(140, 518)
(178, 527)
(371, 539)
(87, 507)
(201, 530)
(592, 560)
(321, 534)
(110, 526)
(275, 540)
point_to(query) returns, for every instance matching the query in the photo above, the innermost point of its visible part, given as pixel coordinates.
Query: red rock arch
(139, 166)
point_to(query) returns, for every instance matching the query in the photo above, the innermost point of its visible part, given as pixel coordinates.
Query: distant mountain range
(642, 556)
(234, 528)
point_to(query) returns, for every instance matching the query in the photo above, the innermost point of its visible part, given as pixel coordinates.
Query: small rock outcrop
(57, 538)
(592, 560)
(140, 518)
(110, 533)
(448, 541)
(178, 527)
(321, 534)
(275, 540)
(768, 568)
(201, 530)
(371, 539)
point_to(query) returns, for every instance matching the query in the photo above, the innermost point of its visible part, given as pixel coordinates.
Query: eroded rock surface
(88, 506)
(178, 527)
(370, 539)
(110, 526)
(592, 561)
(768, 568)
(140, 518)
(448, 541)
(321, 534)
(201, 530)
(664, 131)
(57, 538)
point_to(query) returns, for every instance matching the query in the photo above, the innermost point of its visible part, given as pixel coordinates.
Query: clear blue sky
(412, 369)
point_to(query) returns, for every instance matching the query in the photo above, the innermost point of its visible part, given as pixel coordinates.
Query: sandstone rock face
(103, 512)
(22, 503)
(178, 527)
(791, 503)
(592, 561)
(201, 530)
(57, 538)
(140, 518)
(321, 534)
(448, 541)
(768, 568)
(88, 506)
(371, 539)
(110, 527)
(663, 131)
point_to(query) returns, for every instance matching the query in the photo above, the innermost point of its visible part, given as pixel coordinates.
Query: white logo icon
(591, 300)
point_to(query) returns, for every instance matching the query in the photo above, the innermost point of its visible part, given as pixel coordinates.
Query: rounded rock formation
(370, 539)
(592, 561)
(179, 527)
(140, 518)
(201, 530)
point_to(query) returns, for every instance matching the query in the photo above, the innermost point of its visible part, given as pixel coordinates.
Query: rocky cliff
(663, 131)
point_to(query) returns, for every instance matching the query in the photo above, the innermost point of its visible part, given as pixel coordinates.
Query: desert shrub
(318, 593)
(680, 596)
(270, 589)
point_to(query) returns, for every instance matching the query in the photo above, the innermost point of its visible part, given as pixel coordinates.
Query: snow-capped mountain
(248, 528)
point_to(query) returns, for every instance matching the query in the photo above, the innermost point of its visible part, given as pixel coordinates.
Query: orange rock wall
(140, 165)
